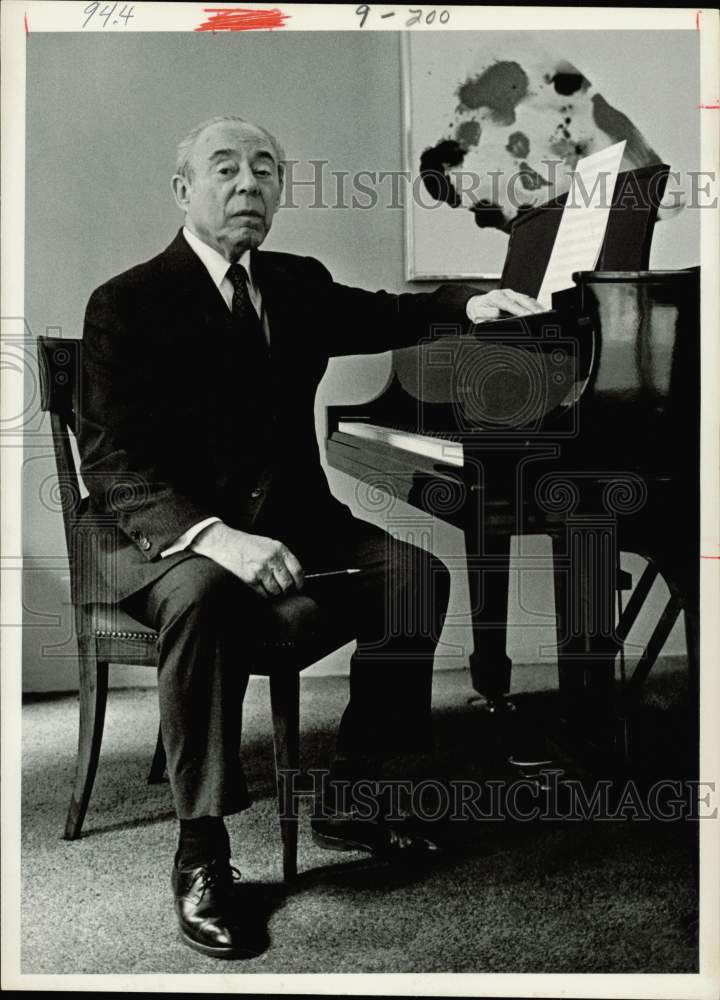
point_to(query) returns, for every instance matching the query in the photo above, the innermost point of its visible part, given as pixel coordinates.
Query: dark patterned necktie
(244, 311)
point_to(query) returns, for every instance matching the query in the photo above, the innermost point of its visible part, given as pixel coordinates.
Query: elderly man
(198, 444)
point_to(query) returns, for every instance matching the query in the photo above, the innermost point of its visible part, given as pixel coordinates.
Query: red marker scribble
(27, 30)
(239, 19)
(697, 20)
(709, 557)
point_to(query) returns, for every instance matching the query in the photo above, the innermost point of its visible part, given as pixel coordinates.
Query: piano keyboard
(439, 448)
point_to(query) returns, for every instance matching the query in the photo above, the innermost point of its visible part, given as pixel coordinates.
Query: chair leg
(285, 703)
(159, 762)
(93, 699)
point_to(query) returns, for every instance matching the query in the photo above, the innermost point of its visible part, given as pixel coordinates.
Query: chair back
(59, 363)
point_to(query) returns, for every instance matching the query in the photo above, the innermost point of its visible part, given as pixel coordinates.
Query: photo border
(43, 15)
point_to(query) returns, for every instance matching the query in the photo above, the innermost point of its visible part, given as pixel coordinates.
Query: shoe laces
(218, 875)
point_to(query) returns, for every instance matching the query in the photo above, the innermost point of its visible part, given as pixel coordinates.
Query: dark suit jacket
(178, 421)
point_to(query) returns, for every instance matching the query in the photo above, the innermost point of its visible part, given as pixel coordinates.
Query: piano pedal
(537, 772)
(499, 705)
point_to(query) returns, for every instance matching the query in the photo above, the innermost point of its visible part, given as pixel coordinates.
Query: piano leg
(488, 579)
(585, 570)
(570, 638)
(688, 581)
(692, 640)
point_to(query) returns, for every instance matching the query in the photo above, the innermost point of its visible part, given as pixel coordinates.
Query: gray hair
(183, 164)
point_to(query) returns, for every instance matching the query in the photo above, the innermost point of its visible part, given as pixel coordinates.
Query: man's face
(234, 188)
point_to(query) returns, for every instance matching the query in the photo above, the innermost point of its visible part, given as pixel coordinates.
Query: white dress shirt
(217, 268)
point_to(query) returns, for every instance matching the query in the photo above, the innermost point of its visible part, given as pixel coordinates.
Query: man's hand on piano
(481, 308)
(264, 564)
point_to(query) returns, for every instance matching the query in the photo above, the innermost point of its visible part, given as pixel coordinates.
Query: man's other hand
(481, 308)
(264, 564)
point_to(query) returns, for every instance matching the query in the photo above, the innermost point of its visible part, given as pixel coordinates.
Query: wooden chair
(106, 634)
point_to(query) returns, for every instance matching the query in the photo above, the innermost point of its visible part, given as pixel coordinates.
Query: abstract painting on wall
(495, 123)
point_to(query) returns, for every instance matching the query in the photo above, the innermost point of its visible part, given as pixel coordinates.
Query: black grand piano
(581, 423)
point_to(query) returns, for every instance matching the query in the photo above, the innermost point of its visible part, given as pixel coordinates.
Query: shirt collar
(214, 261)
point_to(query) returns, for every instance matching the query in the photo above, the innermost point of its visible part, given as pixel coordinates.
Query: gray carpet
(537, 897)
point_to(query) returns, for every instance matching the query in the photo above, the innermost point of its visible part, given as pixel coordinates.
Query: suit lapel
(280, 289)
(199, 303)
(201, 309)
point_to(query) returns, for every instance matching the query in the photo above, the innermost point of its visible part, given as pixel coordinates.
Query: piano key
(448, 452)
(373, 458)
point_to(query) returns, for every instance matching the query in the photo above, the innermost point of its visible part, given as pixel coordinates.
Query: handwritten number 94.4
(108, 12)
(417, 15)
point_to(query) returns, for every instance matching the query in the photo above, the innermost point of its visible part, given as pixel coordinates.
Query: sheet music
(584, 220)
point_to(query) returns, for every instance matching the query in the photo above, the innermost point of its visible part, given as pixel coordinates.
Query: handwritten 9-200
(414, 15)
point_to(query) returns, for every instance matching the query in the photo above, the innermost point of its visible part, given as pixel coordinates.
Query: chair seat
(299, 632)
(110, 621)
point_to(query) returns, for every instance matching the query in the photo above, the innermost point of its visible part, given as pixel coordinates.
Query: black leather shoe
(210, 919)
(348, 832)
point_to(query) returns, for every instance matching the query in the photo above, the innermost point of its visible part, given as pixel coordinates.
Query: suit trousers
(204, 615)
